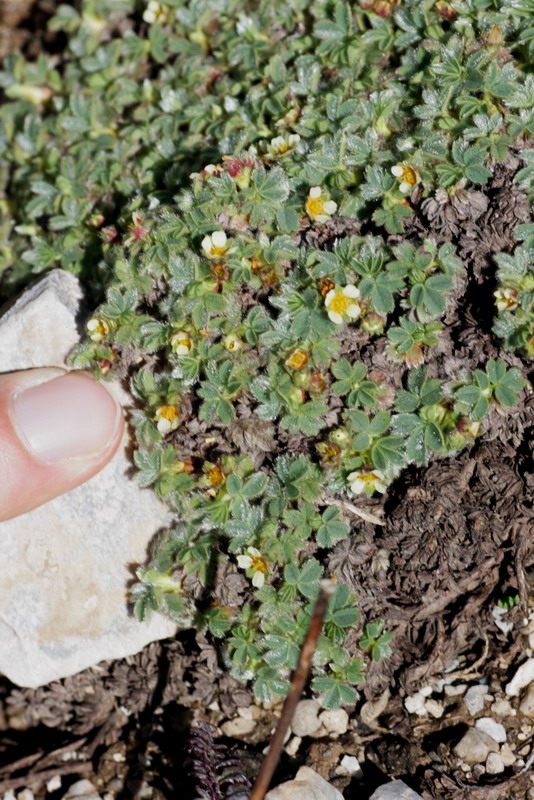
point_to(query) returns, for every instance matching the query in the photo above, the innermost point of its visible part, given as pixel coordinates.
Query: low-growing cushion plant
(232, 182)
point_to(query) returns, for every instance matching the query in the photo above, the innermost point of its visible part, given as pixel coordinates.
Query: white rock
(492, 728)
(415, 704)
(25, 794)
(396, 790)
(66, 565)
(527, 703)
(503, 708)
(335, 721)
(434, 708)
(453, 690)
(474, 699)
(40, 328)
(292, 747)
(349, 765)
(83, 790)
(522, 678)
(508, 756)
(54, 783)
(306, 718)
(475, 747)
(307, 785)
(238, 727)
(494, 764)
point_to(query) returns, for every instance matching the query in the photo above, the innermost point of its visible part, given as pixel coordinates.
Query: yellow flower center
(367, 477)
(168, 412)
(314, 206)
(259, 564)
(297, 360)
(215, 475)
(409, 176)
(339, 304)
(217, 251)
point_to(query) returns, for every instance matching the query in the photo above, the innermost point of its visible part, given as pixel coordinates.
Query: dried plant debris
(218, 775)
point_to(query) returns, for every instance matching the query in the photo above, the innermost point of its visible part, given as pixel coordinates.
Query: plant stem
(298, 681)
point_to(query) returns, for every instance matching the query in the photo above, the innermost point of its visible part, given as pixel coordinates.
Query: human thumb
(57, 429)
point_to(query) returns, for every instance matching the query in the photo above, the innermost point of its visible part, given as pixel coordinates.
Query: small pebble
(475, 746)
(54, 783)
(492, 728)
(503, 708)
(522, 678)
(349, 765)
(434, 708)
(335, 721)
(26, 794)
(293, 745)
(415, 704)
(455, 690)
(238, 727)
(527, 703)
(306, 718)
(508, 756)
(494, 764)
(474, 699)
(82, 789)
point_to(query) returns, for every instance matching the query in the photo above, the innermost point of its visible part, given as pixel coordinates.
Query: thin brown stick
(79, 768)
(298, 681)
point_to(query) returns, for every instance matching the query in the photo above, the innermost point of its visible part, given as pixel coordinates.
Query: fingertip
(57, 430)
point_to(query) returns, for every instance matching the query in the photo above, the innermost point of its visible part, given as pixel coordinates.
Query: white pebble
(522, 678)
(508, 756)
(492, 728)
(494, 764)
(434, 708)
(238, 727)
(503, 708)
(306, 718)
(54, 783)
(474, 699)
(455, 690)
(527, 703)
(349, 765)
(475, 746)
(415, 704)
(293, 745)
(335, 721)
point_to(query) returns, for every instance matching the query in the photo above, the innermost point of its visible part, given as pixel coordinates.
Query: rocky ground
(451, 714)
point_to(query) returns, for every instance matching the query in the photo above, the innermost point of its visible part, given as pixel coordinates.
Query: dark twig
(78, 768)
(298, 681)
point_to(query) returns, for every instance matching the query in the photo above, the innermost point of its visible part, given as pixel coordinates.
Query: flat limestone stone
(307, 785)
(65, 567)
(396, 790)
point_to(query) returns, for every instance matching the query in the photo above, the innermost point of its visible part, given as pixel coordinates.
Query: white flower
(506, 299)
(255, 562)
(181, 343)
(215, 245)
(279, 146)
(155, 12)
(319, 206)
(367, 481)
(232, 343)
(97, 329)
(340, 305)
(407, 176)
(167, 419)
